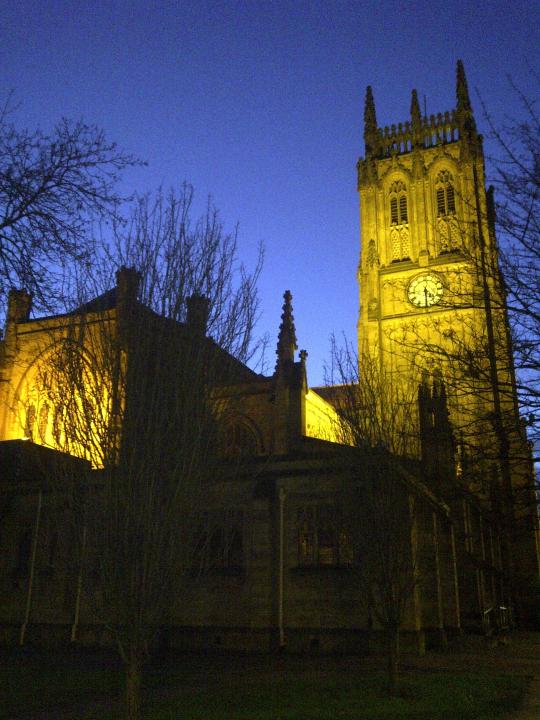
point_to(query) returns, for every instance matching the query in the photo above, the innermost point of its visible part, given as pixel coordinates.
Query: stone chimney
(198, 309)
(127, 285)
(19, 306)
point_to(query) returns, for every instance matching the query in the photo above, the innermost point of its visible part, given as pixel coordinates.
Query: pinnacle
(462, 90)
(286, 344)
(370, 122)
(416, 115)
(370, 117)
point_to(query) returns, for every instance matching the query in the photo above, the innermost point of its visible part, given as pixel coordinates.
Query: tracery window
(399, 222)
(36, 422)
(447, 226)
(446, 199)
(398, 204)
(240, 439)
(323, 538)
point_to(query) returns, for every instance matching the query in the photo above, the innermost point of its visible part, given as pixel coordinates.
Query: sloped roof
(105, 301)
(331, 393)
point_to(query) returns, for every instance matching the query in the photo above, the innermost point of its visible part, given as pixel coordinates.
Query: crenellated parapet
(432, 131)
(421, 131)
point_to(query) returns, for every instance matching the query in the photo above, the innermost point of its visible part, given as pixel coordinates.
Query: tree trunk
(393, 658)
(133, 676)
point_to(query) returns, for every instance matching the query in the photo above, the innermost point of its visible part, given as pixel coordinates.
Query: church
(309, 501)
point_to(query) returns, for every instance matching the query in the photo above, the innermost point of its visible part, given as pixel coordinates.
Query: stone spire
(286, 344)
(370, 123)
(464, 111)
(416, 115)
(416, 136)
(462, 90)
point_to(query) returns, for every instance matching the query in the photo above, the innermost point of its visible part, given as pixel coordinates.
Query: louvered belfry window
(445, 196)
(394, 211)
(441, 205)
(398, 204)
(399, 222)
(403, 209)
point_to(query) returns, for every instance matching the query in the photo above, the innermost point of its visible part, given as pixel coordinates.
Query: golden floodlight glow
(322, 421)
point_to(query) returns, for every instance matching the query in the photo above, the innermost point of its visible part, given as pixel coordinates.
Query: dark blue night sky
(260, 104)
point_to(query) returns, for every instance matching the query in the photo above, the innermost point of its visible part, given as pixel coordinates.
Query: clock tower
(431, 298)
(433, 315)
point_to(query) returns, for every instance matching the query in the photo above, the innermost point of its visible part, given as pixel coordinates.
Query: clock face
(425, 290)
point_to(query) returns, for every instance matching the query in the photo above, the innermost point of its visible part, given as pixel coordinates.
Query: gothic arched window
(447, 226)
(323, 537)
(399, 222)
(398, 204)
(240, 439)
(446, 198)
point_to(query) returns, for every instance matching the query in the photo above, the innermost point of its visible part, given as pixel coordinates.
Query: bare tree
(135, 381)
(516, 163)
(51, 188)
(378, 419)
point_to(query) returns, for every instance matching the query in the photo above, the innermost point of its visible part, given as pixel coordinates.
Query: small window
(323, 539)
(326, 535)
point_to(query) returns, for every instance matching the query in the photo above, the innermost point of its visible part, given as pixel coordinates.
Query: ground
(474, 679)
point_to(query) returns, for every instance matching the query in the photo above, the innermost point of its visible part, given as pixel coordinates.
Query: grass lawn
(432, 697)
(245, 688)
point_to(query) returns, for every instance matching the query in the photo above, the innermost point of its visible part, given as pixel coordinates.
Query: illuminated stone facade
(291, 575)
(432, 302)
(429, 278)
(30, 394)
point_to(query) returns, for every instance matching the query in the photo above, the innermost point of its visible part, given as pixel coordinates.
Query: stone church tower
(430, 288)
(432, 304)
